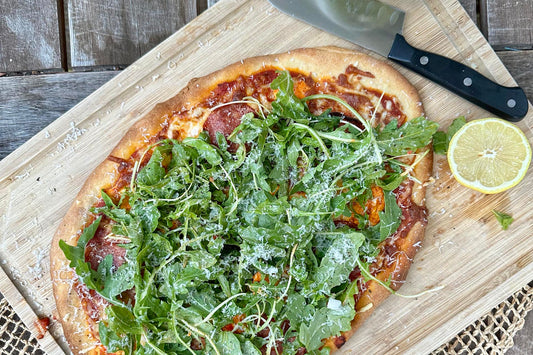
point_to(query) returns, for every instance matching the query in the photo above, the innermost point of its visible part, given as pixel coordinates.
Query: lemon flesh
(489, 155)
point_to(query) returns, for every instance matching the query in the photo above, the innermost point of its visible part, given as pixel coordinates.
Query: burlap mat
(491, 334)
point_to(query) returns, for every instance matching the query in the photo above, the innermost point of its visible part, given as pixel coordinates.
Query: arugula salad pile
(234, 253)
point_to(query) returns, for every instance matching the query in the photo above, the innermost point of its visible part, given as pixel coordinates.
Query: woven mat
(15, 338)
(491, 334)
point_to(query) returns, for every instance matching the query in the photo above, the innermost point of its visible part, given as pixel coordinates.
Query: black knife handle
(509, 103)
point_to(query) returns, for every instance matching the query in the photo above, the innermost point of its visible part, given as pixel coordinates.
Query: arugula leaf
(204, 149)
(248, 348)
(149, 216)
(287, 105)
(154, 171)
(76, 255)
(391, 180)
(414, 134)
(297, 309)
(200, 259)
(326, 322)
(338, 262)
(108, 201)
(349, 293)
(504, 219)
(228, 344)
(455, 126)
(442, 139)
(389, 219)
(440, 142)
(122, 320)
(118, 281)
(112, 341)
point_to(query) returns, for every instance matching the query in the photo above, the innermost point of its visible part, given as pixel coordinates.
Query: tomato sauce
(42, 324)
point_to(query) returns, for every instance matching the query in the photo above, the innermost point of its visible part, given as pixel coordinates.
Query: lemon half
(489, 155)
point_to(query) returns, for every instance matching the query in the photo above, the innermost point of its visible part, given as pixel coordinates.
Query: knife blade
(378, 27)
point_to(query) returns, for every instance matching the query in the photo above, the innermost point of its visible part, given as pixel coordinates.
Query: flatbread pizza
(267, 208)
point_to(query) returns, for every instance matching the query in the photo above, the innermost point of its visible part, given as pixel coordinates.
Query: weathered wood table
(54, 53)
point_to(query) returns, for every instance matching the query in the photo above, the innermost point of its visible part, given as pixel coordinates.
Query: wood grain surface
(26, 27)
(520, 65)
(102, 32)
(44, 96)
(509, 23)
(41, 178)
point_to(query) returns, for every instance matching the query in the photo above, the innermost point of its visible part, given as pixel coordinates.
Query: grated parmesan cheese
(70, 137)
(36, 271)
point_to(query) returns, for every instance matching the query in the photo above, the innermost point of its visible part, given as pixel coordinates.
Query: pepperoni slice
(224, 120)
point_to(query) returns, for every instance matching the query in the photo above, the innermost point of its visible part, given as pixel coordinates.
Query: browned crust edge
(319, 62)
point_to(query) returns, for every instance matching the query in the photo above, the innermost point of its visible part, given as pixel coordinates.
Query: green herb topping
(441, 139)
(238, 253)
(504, 219)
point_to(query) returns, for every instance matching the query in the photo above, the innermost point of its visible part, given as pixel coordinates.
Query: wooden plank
(29, 37)
(460, 258)
(520, 65)
(509, 23)
(33, 102)
(108, 33)
(471, 8)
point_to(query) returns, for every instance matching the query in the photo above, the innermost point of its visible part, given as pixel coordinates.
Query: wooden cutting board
(465, 249)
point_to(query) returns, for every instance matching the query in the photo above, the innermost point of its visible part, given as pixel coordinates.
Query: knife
(378, 27)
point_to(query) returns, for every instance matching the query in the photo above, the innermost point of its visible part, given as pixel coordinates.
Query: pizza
(267, 208)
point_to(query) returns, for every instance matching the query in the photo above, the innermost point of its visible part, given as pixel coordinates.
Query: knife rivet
(511, 103)
(424, 60)
(394, 17)
(467, 81)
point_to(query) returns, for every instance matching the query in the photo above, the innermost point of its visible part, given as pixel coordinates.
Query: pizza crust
(73, 319)
(319, 63)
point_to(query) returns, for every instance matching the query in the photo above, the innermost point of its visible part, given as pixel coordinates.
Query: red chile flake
(42, 324)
